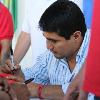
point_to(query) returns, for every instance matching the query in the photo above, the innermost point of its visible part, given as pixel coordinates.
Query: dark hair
(63, 17)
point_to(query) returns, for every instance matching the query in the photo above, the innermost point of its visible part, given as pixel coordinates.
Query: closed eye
(51, 40)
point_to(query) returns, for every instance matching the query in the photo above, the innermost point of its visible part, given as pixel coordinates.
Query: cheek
(60, 48)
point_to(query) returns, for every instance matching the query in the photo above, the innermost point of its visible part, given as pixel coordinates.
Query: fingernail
(0, 87)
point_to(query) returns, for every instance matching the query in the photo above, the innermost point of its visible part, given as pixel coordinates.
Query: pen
(29, 80)
(12, 60)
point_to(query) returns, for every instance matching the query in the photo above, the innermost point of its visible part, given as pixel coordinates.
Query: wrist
(40, 87)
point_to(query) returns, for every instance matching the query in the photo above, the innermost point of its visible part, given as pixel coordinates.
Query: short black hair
(63, 17)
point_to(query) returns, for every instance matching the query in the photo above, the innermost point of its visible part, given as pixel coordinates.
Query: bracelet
(40, 91)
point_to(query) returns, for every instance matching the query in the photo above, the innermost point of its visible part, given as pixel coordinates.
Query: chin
(58, 57)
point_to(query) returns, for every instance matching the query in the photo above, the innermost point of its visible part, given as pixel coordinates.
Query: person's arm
(22, 47)
(6, 93)
(82, 94)
(52, 92)
(74, 87)
(13, 91)
(5, 51)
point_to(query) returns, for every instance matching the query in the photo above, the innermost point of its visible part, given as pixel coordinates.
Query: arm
(74, 87)
(13, 91)
(52, 92)
(6, 92)
(82, 94)
(5, 51)
(22, 47)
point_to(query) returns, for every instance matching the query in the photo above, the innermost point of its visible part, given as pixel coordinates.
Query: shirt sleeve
(26, 25)
(38, 71)
(6, 24)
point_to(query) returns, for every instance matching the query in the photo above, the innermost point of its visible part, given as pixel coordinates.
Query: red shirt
(6, 24)
(92, 75)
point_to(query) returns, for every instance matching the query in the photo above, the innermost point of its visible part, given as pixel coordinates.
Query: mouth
(54, 52)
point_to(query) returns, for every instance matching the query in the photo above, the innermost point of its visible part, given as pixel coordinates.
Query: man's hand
(73, 90)
(74, 87)
(4, 85)
(82, 95)
(7, 68)
(21, 91)
(15, 78)
(6, 89)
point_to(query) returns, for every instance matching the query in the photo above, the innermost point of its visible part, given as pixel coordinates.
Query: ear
(77, 35)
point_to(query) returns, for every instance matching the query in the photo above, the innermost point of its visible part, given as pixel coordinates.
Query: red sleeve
(6, 23)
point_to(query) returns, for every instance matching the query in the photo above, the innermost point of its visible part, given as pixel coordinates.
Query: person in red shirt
(6, 33)
(91, 80)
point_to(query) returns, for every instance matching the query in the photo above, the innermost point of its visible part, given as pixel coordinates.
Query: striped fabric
(50, 70)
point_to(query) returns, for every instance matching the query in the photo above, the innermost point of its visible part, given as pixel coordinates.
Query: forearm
(5, 51)
(4, 56)
(52, 92)
(74, 87)
(22, 47)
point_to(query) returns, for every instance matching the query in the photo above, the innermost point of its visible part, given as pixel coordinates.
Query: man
(6, 33)
(30, 32)
(64, 28)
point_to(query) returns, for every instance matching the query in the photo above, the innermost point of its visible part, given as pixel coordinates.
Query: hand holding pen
(13, 67)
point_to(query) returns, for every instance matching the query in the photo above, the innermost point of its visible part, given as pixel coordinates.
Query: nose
(49, 45)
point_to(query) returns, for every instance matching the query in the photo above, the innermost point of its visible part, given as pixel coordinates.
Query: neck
(71, 63)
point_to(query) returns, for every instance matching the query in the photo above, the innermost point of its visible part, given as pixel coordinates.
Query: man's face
(59, 46)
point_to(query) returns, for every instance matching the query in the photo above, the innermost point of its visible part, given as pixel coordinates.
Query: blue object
(87, 10)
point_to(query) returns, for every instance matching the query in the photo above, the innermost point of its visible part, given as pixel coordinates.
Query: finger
(6, 69)
(8, 62)
(12, 66)
(11, 77)
(1, 88)
(17, 66)
(12, 94)
(4, 85)
(17, 79)
(68, 97)
(3, 70)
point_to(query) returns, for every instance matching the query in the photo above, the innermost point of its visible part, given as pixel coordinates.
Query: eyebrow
(51, 39)
(55, 39)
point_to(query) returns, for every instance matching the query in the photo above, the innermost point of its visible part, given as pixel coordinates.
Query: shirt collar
(84, 47)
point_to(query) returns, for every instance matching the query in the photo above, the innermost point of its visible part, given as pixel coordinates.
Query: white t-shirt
(34, 9)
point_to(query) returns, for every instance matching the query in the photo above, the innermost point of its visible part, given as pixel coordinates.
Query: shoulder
(6, 23)
(4, 10)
